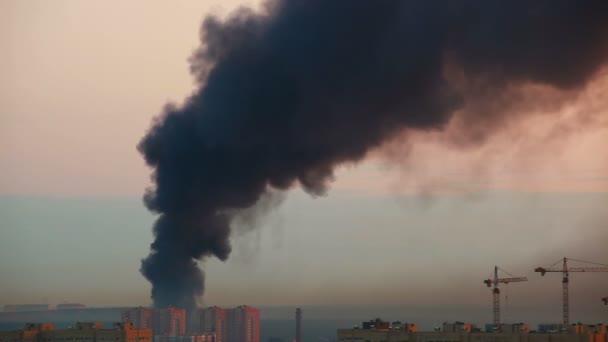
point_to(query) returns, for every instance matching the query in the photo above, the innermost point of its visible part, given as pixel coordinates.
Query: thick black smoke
(287, 95)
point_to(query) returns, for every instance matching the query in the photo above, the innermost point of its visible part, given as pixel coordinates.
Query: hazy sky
(80, 82)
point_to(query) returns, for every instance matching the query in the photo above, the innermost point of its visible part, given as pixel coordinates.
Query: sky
(418, 222)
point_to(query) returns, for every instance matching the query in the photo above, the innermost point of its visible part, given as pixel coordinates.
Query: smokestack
(298, 325)
(287, 95)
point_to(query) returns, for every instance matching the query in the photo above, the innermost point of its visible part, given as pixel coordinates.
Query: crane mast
(565, 299)
(496, 291)
(565, 270)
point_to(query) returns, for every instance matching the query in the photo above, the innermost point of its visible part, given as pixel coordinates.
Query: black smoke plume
(287, 94)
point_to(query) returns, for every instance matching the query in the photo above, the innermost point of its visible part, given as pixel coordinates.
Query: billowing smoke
(287, 94)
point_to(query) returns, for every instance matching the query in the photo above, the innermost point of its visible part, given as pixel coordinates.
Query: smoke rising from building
(286, 95)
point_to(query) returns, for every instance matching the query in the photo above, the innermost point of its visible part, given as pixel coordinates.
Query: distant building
(377, 324)
(463, 332)
(193, 321)
(214, 320)
(373, 335)
(186, 338)
(517, 328)
(26, 307)
(458, 327)
(577, 328)
(378, 330)
(381, 325)
(584, 329)
(404, 327)
(87, 325)
(170, 321)
(142, 318)
(551, 328)
(67, 306)
(120, 332)
(30, 333)
(243, 324)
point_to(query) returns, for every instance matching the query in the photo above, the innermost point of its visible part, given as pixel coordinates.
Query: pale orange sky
(82, 80)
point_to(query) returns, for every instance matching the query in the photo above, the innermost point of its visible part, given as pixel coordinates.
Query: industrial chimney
(298, 325)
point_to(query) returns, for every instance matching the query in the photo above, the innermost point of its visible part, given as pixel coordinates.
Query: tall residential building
(243, 324)
(170, 321)
(142, 318)
(213, 320)
(298, 325)
(193, 321)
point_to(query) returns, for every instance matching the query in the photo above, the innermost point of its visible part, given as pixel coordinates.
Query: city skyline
(73, 222)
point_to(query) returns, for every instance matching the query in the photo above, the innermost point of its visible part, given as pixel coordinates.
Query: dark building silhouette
(298, 325)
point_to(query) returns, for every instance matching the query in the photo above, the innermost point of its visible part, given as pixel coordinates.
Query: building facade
(459, 332)
(214, 320)
(141, 318)
(89, 332)
(243, 324)
(186, 338)
(404, 327)
(170, 321)
(457, 327)
(517, 328)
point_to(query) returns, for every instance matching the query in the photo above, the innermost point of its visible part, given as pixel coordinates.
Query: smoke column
(286, 95)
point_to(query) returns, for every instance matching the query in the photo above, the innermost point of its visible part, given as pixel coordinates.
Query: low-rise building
(580, 328)
(584, 333)
(185, 338)
(372, 335)
(552, 328)
(515, 328)
(404, 327)
(378, 330)
(82, 331)
(458, 327)
(28, 334)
